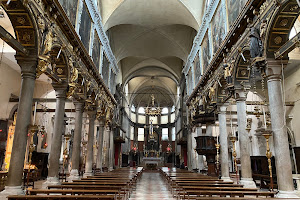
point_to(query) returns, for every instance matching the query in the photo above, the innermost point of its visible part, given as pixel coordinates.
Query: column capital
(60, 89)
(92, 114)
(222, 108)
(274, 69)
(28, 66)
(241, 95)
(79, 106)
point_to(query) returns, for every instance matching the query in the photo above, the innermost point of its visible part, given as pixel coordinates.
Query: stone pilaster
(15, 174)
(281, 144)
(56, 143)
(74, 174)
(200, 157)
(90, 144)
(100, 143)
(246, 176)
(111, 150)
(224, 158)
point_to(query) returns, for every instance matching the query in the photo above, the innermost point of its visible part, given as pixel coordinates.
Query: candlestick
(34, 113)
(267, 135)
(265, 121)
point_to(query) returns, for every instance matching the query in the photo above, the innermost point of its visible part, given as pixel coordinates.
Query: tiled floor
(151, 186)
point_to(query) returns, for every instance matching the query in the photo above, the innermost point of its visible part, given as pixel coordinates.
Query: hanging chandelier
(152, 110)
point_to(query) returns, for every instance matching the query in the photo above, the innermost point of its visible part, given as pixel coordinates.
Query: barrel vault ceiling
(151, 41)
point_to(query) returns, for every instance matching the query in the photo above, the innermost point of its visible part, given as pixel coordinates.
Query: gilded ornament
(59, 70)
(21, 20)
(278, 40)
(284, 22)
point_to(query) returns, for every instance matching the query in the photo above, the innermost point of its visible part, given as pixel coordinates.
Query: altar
(152, 162)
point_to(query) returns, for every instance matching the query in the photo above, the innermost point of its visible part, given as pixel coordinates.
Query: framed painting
(206, 52)
(105, 70)
(96, 51)
(85, 28)
(190, 81)
(197, 68)
(70, 8)
(234, 8)
(218, 27)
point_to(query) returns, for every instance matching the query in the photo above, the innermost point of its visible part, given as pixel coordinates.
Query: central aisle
(151, 186)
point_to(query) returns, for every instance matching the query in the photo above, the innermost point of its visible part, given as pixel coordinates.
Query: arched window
(141, 110)
(165, 110)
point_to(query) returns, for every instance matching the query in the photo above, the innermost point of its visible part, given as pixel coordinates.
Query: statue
(263, 29)
(201, 106)
(212, 94)
(48, 41)
(255, 43)
(228, 71)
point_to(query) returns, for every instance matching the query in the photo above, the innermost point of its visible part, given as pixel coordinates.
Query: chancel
(149, 99)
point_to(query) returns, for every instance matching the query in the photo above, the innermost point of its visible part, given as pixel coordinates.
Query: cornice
(96, 17)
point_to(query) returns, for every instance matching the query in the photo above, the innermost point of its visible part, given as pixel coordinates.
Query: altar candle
(265, 118)
(34, 114)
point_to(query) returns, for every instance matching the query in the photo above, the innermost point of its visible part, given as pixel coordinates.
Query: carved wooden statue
(228, 72)
(255, 43)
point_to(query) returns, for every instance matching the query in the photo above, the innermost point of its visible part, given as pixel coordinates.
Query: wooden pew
(61, 197)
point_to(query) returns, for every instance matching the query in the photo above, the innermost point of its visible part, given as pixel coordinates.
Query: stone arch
(24, 24)
(280, 24)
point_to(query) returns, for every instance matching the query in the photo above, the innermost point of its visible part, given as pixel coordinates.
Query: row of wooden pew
(189, 185)
(117, 184)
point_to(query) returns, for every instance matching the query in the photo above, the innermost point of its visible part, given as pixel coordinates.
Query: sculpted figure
(255, 43)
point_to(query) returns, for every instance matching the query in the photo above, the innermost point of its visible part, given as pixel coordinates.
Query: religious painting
(206, 52)
(112, 82)
(197, 68)
(105, 70)
(234, 8)
(96, 51)
(190, 81)
(70, 8)
(85, 28)
(218, 28)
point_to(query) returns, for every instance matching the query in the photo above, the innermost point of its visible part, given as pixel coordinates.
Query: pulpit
(206, 145)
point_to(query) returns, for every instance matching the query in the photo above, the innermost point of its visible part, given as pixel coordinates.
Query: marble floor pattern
(151, 186)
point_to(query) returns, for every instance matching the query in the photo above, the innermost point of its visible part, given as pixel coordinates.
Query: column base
(86, 174)
(287, 194)
(11, 190)
(74, 175)
(110, 169)
(248, 183)
(51, 181)
(226, 179)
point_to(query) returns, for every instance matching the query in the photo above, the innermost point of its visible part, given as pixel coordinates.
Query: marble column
(15, 173)
(74, 174)
(246, 171)
(281, 143)
(194, 155)
(224, 158)
(90, 144)
(209, 129)
(200, 157)
(56, 142)
(100, 143)
(111, 150)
